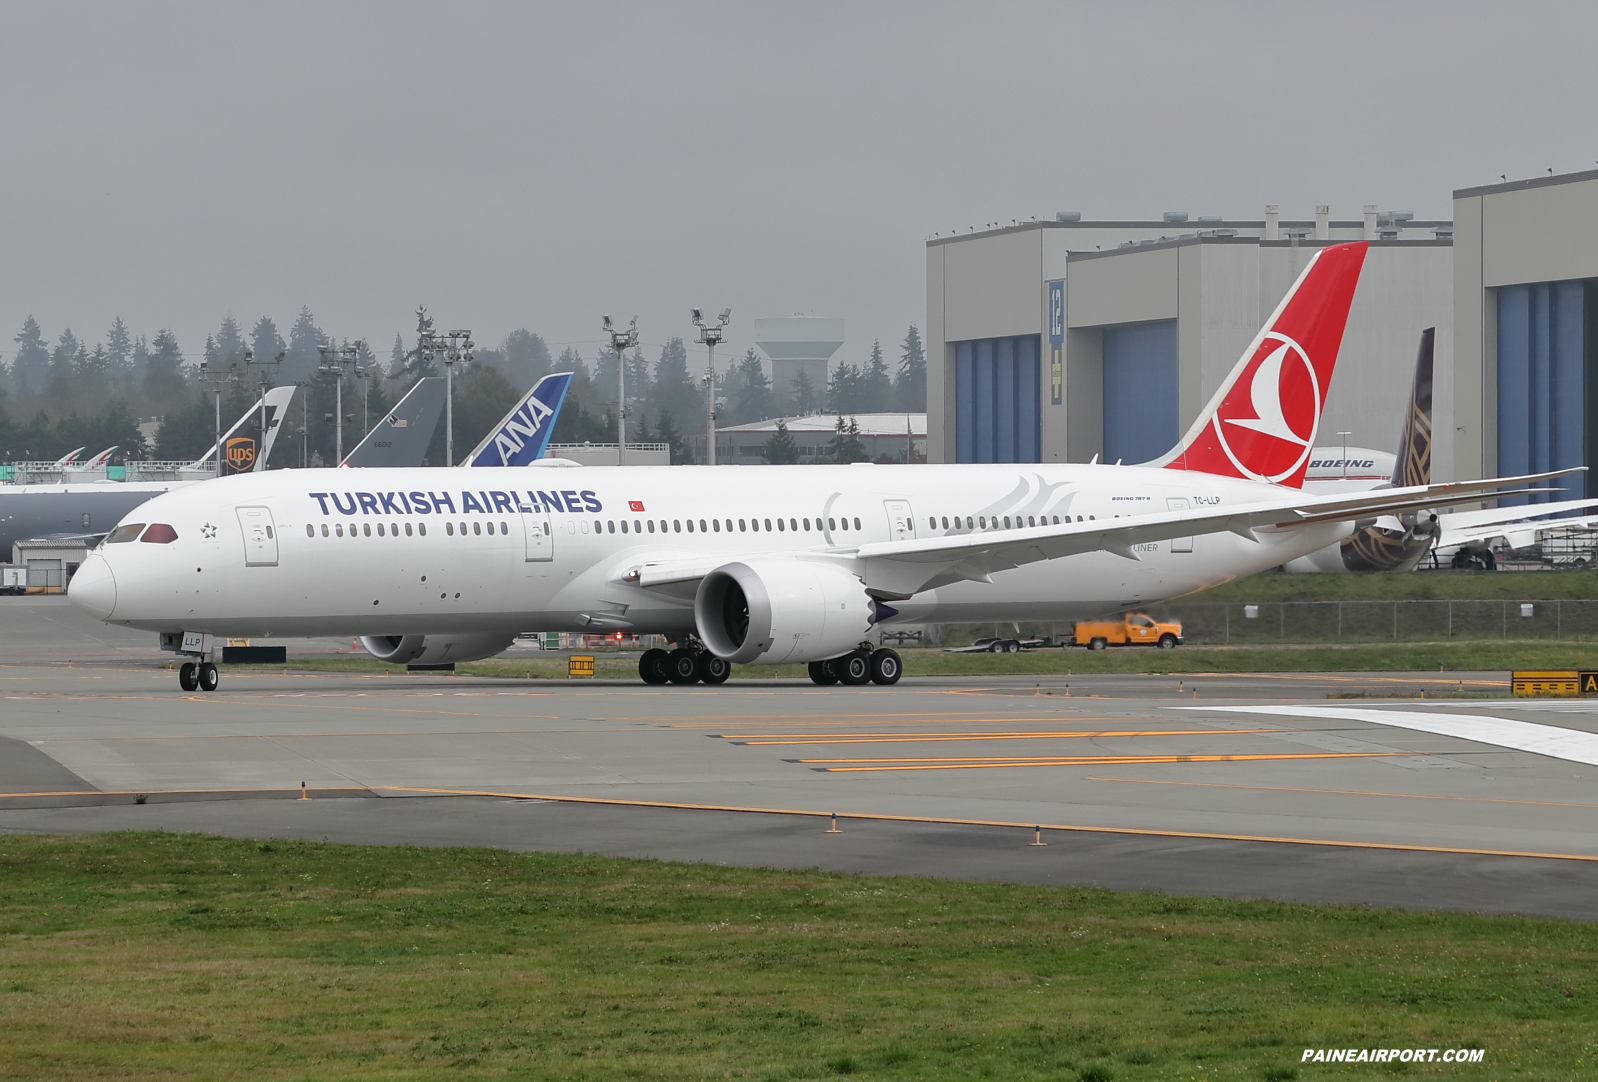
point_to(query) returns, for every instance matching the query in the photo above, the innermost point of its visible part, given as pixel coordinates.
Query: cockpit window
(130, 532)
(159, 533)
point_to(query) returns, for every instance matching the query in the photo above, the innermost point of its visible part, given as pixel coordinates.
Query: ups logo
(240, 453)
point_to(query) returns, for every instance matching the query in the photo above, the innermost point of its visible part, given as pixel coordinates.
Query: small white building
(887, 437)
(51, 562)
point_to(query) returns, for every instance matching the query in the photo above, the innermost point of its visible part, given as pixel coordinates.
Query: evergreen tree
(165, 379)
(396, 357)
(675, 391)
(526, 357)
(875, 389)
(230, 342)
(845, 445)
(30, 371)
(639, 381)
(213, 355)
(119, 352)
(911, 387)
(141, 360)
(666, 432)
(481, 399)
(62, 361)
(805, 399)
(572, 361)
(780, 448)
(301, 357)
(605, 379)
(754, 400)
(843, 392)
(267, 343)
(91, 373)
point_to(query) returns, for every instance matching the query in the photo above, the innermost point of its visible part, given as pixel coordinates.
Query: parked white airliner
(747, 564)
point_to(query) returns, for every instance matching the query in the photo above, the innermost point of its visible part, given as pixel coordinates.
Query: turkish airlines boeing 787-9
(745, 564)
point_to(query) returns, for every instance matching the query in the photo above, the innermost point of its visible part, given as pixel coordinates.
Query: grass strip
(1421, 657)
(160, 956)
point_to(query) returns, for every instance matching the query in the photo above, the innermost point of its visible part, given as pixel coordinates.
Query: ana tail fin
(523, 433)
(1262, 422)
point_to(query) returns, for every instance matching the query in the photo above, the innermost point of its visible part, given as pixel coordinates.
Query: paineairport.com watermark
(1393, 1055)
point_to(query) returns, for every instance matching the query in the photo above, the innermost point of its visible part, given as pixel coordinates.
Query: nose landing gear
(201, 677)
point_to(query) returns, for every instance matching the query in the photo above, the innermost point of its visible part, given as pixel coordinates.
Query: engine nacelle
(435, 649)
(781, 611)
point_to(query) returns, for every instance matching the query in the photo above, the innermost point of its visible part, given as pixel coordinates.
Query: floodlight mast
(708, 337)
(260, 385)
(457, 345)
(216, 378)
(621, 341)
(334, 358)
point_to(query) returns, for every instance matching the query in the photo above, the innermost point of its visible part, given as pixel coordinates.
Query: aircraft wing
(522, 434)
(901, 569)
(1463, 527)
(402, 437)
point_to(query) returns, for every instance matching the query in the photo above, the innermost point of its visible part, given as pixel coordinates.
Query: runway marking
(1089, 760)
(1023, 826)
(1553, 741)
(761, 740)
(725, 719)
(309, 736)
(1349, 792)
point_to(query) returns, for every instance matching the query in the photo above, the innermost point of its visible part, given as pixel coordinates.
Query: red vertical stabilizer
(1263, 421)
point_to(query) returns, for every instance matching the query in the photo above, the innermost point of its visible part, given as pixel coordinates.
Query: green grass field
(1457, 656)
(146, 956)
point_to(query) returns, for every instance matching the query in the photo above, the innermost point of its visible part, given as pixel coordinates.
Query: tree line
(73, 393)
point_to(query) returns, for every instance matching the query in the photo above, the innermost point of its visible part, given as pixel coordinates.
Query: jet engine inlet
(781, 611)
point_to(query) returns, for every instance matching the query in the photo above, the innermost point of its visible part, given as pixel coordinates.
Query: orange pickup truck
(1133, 629)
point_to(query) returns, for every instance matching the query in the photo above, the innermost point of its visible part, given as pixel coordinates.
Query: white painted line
(1550, 740)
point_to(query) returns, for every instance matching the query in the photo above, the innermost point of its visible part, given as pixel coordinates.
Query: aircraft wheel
(209, 677)
(886, 668)
(187, 678)
(1097, 644)
(1167, 642)
(854, 669)
(824, 672)
(713, 669)
(652, 667)
(682, 667)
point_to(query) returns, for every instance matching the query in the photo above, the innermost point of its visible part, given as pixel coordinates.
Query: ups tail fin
(401, 438)
(1262, 422)
(276, 403)
(522, 434)
(1415, 441)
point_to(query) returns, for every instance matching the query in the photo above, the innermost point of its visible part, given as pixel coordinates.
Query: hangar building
(1061, 340)
(1054, 341)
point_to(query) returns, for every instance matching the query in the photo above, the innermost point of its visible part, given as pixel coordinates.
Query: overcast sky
(534, 165)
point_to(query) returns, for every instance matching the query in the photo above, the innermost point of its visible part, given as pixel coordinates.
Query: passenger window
(651, 525)
(324, 529)
(702, 528)
(310, 531)
(421, 528)
(807, 525)
(125, 533)
(407, 529)
(599, 527)
(338, 528)
(779, 526)
(716, 522)
(504, 527)
(729, 525)
(380, 529)
(477, 528)
(449, 528)
(610, 525)
(676, 525)
(768, 525)
(623, 525)
(269, 531)
(690, 525)
(637, 526)
(741, 526)
(857, 523)
(983, 522)
(832, 524)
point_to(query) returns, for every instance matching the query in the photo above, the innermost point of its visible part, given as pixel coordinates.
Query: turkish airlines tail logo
(1262, 422)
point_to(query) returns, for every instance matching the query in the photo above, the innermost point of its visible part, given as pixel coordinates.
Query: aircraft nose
(94, 588)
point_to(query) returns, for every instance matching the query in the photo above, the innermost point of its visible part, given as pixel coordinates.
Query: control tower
(799, 344)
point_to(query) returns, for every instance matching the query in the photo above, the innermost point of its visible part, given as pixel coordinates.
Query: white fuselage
(393, 552)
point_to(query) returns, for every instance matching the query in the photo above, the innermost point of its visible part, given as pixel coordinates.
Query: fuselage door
(901, 520)
(540, 537)
(260, 537)
(1179, 544)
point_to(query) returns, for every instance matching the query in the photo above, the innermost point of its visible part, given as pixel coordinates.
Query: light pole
(621, 341)
(217, 378)
(260, 384)
(708, 337)
(455, 346)
(334, 358)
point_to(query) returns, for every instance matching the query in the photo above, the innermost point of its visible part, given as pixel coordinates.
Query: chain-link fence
(1380, 621)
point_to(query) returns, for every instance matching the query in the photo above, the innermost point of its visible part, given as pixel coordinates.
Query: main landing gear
(863, 666)
(201, 677)
(689, 663)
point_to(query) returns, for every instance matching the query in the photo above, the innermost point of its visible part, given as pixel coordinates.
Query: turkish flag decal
(635, 505)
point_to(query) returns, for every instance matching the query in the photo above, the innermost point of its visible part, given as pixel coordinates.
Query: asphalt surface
(1137, 783)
